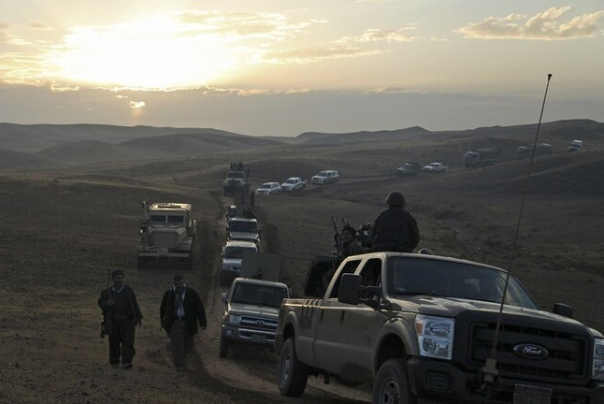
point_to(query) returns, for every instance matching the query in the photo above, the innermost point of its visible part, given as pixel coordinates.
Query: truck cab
(426, 326)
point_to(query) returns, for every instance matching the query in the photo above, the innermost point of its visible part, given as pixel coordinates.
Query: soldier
(395, 229)
(180, 311)
(121, 315)
(350, 246)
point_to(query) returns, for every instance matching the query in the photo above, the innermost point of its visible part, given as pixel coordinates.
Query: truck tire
(293, 374)
(223, 347)
(391, 385)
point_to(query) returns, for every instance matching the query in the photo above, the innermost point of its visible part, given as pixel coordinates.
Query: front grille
(565, 361)
(259, 322)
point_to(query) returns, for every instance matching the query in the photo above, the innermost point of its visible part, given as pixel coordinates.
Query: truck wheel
(223, 347)
(391, 386)
(293, 374)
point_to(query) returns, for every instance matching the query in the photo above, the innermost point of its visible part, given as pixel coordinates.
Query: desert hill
(65, 227)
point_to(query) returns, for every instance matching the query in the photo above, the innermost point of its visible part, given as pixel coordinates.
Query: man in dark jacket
(121, 314)
(395, 229)
(180, 311)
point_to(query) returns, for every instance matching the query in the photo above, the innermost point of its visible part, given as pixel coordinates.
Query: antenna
(489, 371)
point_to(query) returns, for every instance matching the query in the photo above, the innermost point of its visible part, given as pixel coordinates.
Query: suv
(251, 307)
(325, 177)
(239, 228)
(231, 259)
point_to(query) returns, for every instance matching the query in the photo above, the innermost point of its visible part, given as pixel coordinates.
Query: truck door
(346, 334)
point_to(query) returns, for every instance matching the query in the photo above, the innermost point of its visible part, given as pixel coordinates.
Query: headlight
(435, 336)
(598, 365)
(234, 319)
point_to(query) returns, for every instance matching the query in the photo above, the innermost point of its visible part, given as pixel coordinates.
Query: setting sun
(152, 54)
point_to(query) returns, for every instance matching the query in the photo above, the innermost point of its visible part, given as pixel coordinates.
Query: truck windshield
(258, 294)
(244, 227)
(434, 277)
(236, 252)
(175, 219)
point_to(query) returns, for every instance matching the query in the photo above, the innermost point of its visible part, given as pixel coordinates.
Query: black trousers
(121, 341)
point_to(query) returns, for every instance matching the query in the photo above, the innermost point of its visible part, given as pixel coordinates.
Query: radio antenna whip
(490, 372)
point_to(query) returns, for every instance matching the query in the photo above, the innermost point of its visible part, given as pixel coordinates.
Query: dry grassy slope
(62, 232)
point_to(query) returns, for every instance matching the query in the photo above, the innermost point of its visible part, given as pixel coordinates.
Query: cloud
(309, 55)
(383, 35)
(548, 25)
(137, 104)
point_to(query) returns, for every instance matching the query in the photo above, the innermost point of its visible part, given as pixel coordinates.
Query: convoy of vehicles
(269, 188)
(231, 259)
(325, 177)
(524, 152)
(408, 169)
(293, 184)
(244, 229)
(434, 168)
(251, 313)
(237, 180)
(575, 145)
(424, 326)
(481, 157)
(166, 232)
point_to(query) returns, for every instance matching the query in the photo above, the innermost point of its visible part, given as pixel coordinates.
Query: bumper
(446, 381)
(263, 338)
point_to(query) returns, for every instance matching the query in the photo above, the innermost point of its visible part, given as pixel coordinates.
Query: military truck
(524, 152)
(167, 232)
(237, 180)
(418, 326)
(481, 157)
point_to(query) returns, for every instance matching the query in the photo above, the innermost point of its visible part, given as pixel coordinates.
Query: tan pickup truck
(424, 326)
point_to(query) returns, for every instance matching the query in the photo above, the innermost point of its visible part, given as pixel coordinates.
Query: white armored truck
(167, 233)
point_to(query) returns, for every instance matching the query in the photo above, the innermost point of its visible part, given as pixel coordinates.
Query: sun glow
(152, 54)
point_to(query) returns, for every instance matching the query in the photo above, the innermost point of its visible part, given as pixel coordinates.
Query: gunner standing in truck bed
(395, 229)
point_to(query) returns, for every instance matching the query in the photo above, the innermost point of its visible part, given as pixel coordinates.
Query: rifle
(103, 332)
(339, 245)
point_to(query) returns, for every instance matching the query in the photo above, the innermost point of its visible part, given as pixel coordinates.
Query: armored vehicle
(237, 180)
(167, 232)
(244, 229)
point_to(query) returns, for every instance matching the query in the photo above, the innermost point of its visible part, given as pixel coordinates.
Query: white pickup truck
(434, 168)
(293, 184)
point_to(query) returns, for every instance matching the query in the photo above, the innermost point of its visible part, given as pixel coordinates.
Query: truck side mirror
(224, 297)
(349, 289)
(563, 310)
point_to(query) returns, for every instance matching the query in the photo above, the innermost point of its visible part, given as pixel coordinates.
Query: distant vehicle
(411, 168)
(243, 229)
(481, 157)
(542, 149)
(325, 177)
(575, 145)
(293, 184)
(231, 259)
(167, 232)
(435, 168)
(251, 309)
(269, 188)
(237, 180)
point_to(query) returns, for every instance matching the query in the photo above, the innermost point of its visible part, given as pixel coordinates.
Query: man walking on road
(180, 311)
(121, 314)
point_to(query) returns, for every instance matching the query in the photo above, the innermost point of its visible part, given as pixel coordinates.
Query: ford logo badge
(531, 351)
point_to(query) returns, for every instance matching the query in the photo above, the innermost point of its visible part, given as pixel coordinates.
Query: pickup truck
(293, 184)
(434, 168)
(250, 313)
(419, 326)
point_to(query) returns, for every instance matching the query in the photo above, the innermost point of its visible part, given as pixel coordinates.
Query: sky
(281, 68)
